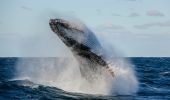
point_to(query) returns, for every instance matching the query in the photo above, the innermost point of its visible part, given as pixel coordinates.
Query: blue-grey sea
(153, 75)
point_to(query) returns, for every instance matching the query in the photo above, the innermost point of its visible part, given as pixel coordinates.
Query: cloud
(109, 28)
(98, 11)
(153, 24)
(134, 14)
(26, 8)
(154, 13)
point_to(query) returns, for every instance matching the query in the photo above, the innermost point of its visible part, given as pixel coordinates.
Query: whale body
(84, 45)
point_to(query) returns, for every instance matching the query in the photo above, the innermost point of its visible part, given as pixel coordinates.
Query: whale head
(69, 32)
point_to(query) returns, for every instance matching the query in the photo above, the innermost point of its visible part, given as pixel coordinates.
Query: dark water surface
(153, 75)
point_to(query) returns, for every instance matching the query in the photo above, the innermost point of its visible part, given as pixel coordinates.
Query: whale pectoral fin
(110, 71)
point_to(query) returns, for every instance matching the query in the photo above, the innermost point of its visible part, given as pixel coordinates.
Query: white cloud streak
(153, 24)
(154, 13)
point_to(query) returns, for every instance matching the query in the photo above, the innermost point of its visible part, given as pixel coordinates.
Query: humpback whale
(84, 46)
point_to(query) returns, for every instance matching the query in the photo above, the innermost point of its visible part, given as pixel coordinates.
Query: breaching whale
(84, 46)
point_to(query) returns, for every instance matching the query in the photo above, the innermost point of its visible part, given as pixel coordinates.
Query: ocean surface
(153, 75)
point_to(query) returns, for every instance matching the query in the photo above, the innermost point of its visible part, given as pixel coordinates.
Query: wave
(25, 89)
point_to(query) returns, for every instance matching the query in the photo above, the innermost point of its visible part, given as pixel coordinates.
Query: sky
(136, 28)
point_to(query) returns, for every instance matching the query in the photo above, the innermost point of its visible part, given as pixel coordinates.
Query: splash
(64, 73)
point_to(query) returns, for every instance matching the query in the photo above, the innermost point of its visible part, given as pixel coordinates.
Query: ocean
(152, 73)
